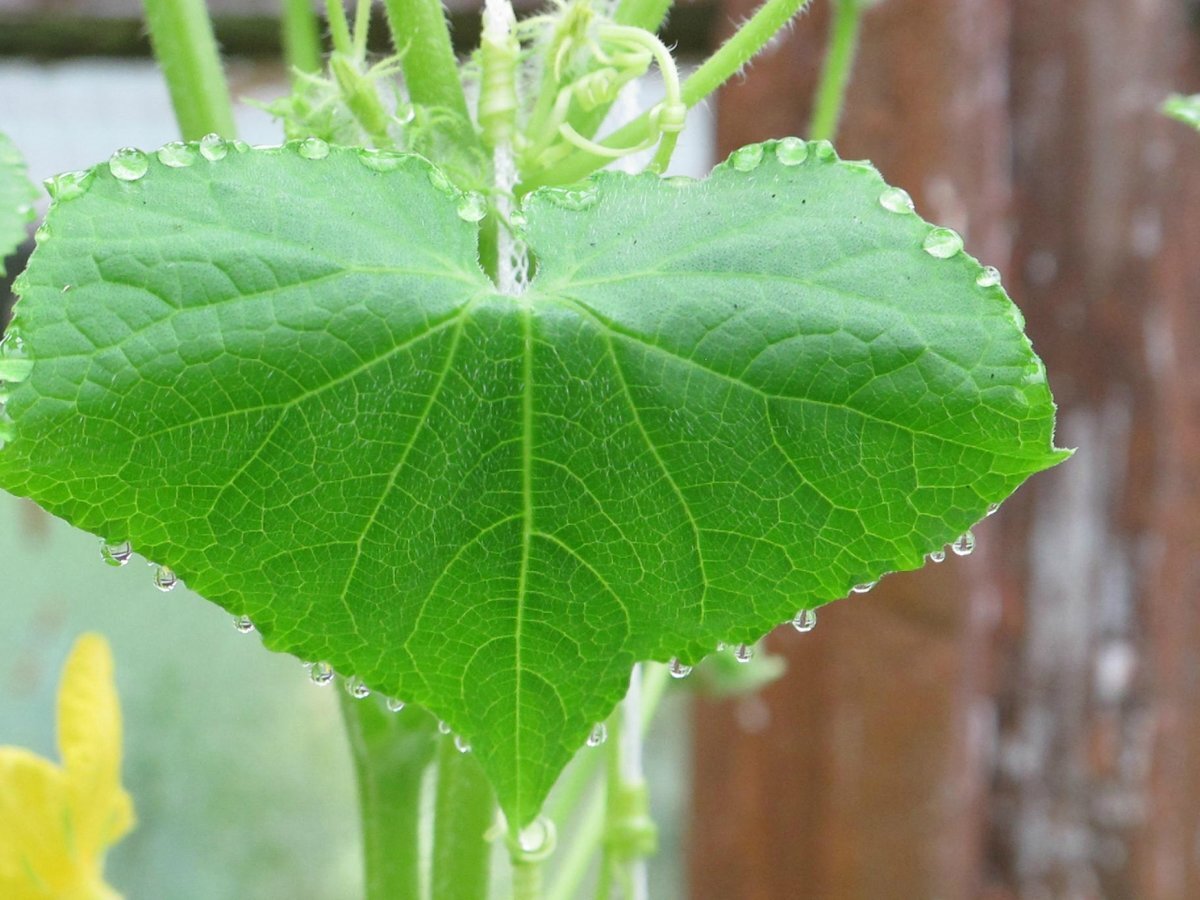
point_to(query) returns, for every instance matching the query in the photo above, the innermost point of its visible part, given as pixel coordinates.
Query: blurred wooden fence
(1022, 724)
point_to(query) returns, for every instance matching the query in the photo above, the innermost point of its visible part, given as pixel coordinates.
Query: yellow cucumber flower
(57, 822)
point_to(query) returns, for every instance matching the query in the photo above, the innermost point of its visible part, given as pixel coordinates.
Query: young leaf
(719, 401)
(16, 198)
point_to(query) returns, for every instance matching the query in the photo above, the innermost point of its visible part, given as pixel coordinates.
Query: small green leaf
(718, 402)
(16, 198)
(1184, 109)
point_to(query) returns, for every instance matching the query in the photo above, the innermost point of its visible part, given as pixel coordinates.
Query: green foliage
(16, 198)
(283, 374)
(1184, 109)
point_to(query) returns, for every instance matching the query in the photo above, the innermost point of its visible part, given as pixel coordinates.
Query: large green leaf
(16, 199)
(718, 402)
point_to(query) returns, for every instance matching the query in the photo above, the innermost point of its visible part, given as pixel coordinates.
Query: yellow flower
(57, 822)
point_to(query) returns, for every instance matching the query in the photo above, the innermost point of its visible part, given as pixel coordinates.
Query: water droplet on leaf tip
(805, 620)
(165, 579)
(381, 160)
(356, 689)
(536, 837)
(461, 745)
(128, 164)
(823, 150)
(439, 180)
(239, 145)
(989, 277)
(896, 200)
(176, 155)
(394, 705)
(864, 587)
(213, 147)
(243, 624)
(472, 206)
(746, 159)
(116, 554)
(964, 544)
(943, 243)
(443, 727)
(598, 735)
(321, 673)
(678, 669)
(68, 185)
(313, 148)
(743, 653)
(992, 509)
(791, 151)
(937, 556)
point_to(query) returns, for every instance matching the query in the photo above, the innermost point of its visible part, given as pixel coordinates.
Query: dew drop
(128, 164)
(380, 160)
(313, 148)
(992, 509)
(41, 234)
(896, 200)
(321, 674)
(394, 705)
(720, 646)
(243, 624)
(176, 154)
(864, 587)
(14, 369)
(439, 180)
(678, 669)
(964, 545)
(823, 150)
(537, 837)
(461, 745)
(575, 199)
(472, 206)
(943, 243)
(937, 556)
(165, 579)
(213, 147)
(240, 146)
(743, 653)
(989, 277)
(444, 727)
(805, 620)
(116, 554)
(598, 736)
(791, 151)
(517, 220)
(746, 159)
(68, 186)
(356, 689)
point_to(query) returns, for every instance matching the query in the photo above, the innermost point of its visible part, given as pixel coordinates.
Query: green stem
(182, 36)
(301, 36)
(391, 752)
(589, 833)
(527, 880)
(754, 34)
(835, 73)
(465, 811)
(339, 27)
(647, 14)
(420, 33)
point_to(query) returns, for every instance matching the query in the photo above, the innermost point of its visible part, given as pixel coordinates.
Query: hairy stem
(420, 33)
(835, 73)
(301, 36)
(182, 36)
(391, 752)
(465, 811)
